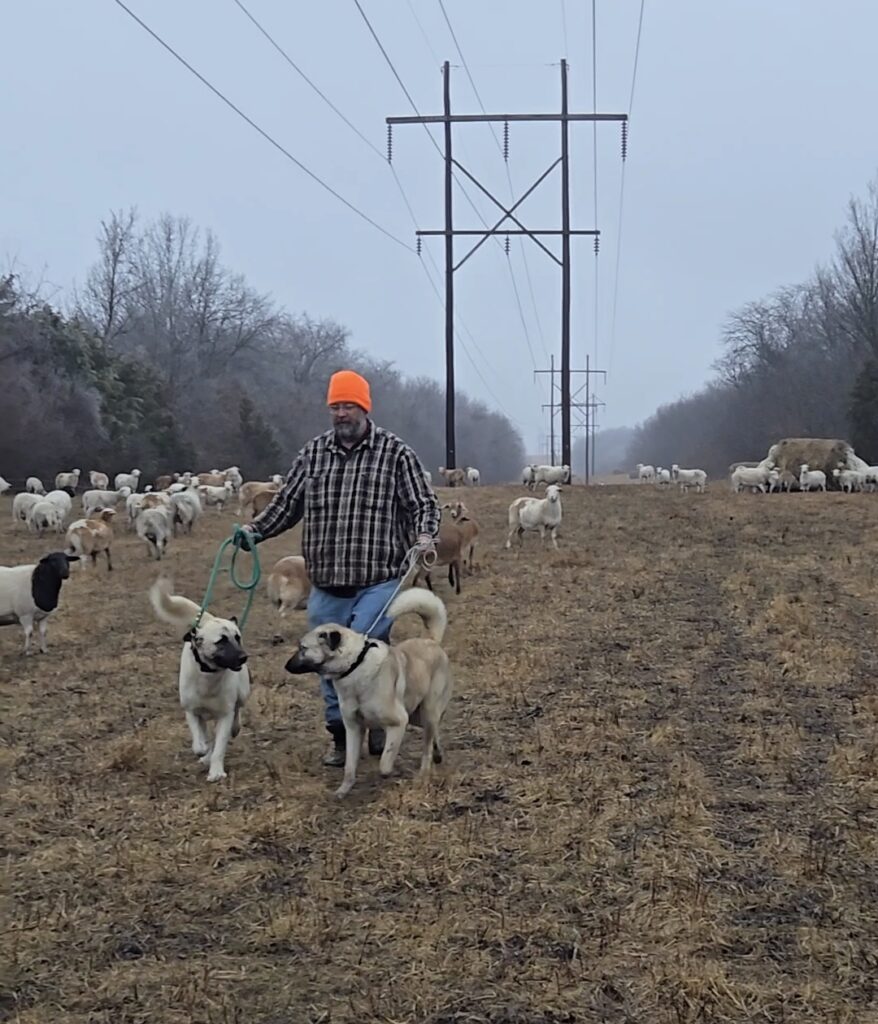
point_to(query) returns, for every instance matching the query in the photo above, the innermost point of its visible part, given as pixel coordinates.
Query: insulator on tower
(389, 143)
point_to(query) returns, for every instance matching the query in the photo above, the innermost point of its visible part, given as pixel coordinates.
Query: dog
(384, 687)
(214, 678)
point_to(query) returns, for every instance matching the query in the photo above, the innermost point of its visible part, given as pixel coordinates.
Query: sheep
(750, 476)
(162, 482)
(100, 481)
(89, 537)
(187, 508)
(527, 476)
(233, 476)
(248, 493)
(29, 593)
(645, 474)
(811, 478)
(551, 475)
(216, 495)
(133, 506)
(473, 476)
(851, 479)
(469, 529)
(33, 485)
(4, 485)
(279, 480)
(213, 479)
(449, 551)
(662, 476)
(67, 479)
(543, 514)
(687, 478)
(154, 525)
(789, 481)
(871, 477)
(45, 515)
(92, 501)
(774, 481)
(288, 584)
(131, 480)
(21, 506)
(453, 477)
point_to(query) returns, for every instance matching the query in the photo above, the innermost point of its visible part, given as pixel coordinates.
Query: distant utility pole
(551, 405)
(564, 117)
(589, 405)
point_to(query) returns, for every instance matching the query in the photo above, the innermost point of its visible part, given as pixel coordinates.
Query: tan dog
(384, 687)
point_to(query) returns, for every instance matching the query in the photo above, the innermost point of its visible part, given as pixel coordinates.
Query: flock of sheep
(766, 476)
(684, 478)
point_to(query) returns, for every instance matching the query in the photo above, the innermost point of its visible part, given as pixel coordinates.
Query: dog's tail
(423, 603)
(171, 608)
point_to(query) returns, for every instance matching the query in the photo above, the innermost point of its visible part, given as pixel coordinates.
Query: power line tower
(564, 118)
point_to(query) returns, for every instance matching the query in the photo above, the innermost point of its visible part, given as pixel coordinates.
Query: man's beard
(349, 431)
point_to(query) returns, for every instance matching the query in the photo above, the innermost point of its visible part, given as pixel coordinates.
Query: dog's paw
(215, 774)
(200, 751)
(205, 758)
(343, 791)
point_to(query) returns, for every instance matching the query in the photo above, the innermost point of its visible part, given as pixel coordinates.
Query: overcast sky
(752, 124)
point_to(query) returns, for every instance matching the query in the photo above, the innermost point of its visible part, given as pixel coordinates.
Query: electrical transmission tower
(564, 118)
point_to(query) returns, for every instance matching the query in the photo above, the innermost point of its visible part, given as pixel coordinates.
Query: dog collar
(201, 664)
(361, 657)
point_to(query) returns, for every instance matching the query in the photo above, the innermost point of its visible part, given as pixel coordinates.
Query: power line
(622, 192)
(261, 131)
(564, 25)
(374, 149)
(512, 194)
(302, 75)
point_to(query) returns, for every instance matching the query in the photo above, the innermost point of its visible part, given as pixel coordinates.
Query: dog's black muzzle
(300, 665)
(230, 656)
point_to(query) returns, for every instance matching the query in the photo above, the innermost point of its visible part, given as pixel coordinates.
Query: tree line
(166, 359)
(802, 362)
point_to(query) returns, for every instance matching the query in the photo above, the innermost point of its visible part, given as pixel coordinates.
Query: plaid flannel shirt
(363, 508)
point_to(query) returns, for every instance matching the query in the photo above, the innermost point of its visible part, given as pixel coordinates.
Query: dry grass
(659, 803)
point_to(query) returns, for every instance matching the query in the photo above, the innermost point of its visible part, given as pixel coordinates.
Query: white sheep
(62, 501)
(473, 476)
(187, 508)
(216, 495)
(100, 481)
(45, 515)
(811, 478)
(29, 593)
(662, 477)
(687, 478)
(277, 478)
(154, 525)
(70, 479)
(21, 505)
(33, 485)
(543, 514)
(851, 479)
(131, 480)
(551, 475)
(645, 474)
(527, 476)
(233, 476)
(4, 485)
(750, 476)
(872, 477)
(94, 500)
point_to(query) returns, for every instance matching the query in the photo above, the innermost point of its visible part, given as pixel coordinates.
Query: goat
(543, 514)
(29, 593)
(288, 584)
(469, 529)
(89, 537)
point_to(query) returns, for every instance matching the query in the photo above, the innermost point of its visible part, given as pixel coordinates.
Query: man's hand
(426, 548)
(248, 537)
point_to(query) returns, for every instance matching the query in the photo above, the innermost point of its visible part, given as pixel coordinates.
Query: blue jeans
(357, 612)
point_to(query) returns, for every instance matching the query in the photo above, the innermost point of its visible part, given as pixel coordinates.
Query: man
(365, 501)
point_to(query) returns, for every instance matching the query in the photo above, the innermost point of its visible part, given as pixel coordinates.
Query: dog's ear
(233, 618)
(333, 639)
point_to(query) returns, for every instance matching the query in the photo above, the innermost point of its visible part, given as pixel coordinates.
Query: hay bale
(826, 453)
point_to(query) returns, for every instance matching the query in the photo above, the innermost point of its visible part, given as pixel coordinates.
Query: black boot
(335, 756)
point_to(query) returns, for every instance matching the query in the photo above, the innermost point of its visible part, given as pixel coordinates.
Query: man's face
(349, 421)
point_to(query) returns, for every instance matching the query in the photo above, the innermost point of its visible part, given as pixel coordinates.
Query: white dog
(384, 687)
(214, 679)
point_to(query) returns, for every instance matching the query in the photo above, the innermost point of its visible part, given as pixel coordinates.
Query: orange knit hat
(347, 386)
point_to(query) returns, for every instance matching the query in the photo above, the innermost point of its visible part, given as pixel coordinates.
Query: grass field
(659, 801)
